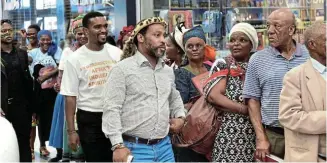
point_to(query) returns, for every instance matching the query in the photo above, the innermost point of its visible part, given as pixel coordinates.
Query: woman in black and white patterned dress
(235, 141)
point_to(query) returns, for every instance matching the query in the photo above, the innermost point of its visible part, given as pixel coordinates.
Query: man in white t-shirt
(85, 75)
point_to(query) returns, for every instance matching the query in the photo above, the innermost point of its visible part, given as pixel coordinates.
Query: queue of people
(96, 102)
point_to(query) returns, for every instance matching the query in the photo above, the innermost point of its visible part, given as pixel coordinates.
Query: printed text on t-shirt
(98, 72)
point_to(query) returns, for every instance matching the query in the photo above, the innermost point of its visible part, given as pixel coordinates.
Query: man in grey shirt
(141, 104)
(263, 81)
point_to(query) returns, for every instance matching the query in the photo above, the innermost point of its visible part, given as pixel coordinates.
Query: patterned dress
(235, 141)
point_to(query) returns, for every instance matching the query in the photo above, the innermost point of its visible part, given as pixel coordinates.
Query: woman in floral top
(235, 141)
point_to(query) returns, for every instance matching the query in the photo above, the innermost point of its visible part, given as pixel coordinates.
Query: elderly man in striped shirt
(264, 79)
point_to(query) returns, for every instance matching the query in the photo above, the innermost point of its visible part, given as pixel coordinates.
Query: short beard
(6, 42)
(153, 51)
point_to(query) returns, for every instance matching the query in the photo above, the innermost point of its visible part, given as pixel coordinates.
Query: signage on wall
(16, 4)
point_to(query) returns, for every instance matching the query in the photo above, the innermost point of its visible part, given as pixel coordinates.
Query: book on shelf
(175, 17)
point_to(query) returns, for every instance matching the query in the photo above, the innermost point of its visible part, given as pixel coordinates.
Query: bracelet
(118, 146)
(71, 132)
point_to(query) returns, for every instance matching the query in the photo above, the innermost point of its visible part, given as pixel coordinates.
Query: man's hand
(23, 34)
(74, 142)
(176, 125)
(121, 154)
(41, 79)
(262, 148)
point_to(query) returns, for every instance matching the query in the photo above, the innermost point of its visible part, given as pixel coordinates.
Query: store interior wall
(120, 16)
(146, 8)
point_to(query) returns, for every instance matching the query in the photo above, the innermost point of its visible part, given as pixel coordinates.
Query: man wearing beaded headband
(143, 104)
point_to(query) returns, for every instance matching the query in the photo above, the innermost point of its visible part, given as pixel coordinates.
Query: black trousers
(21, 120)
(96, 147)
(188, 155)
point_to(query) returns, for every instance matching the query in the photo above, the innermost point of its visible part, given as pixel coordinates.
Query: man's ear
(292, 30)
(140, 38)
(311, 44)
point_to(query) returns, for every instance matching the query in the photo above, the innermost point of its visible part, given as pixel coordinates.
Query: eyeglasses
(6, 21)
(6, 30)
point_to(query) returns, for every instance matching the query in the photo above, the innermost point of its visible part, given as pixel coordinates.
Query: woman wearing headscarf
(174, 47)
(58, 136)
(235, 141)
(46, 56)
(125, 33)
(194, 42)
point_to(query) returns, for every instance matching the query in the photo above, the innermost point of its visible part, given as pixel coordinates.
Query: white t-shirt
(63, 58)
(86, 73)
(9, 151)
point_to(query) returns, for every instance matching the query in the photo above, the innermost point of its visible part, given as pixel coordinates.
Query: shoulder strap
(229, 61)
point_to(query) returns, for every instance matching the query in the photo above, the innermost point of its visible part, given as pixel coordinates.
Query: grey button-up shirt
(140, 100)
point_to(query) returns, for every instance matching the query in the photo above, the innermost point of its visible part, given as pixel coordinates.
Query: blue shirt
(43, 58)
(320, 68)
(264, 79)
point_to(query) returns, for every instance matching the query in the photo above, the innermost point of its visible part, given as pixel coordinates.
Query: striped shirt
(264, 79)
(139, 101)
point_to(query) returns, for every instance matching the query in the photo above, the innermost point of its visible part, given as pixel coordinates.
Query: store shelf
(158, 10)
(194, 8)
(262, 8)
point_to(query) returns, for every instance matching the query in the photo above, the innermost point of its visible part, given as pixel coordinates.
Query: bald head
(281, 26)
(315, 31)
(283, 14)
(315, 40)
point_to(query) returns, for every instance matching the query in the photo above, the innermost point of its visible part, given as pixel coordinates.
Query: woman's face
(125, 38)
(31, 35)
(45, 42)
(195, 49)
(240, 45)
(171, 49)
(80, 36)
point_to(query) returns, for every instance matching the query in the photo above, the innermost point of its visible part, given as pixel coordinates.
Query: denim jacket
(183, 81)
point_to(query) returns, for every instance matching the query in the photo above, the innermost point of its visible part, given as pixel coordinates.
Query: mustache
(5, 35)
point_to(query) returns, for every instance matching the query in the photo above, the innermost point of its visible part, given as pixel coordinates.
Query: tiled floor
(38, 158)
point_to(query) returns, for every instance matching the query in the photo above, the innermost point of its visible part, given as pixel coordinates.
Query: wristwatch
(118, 146)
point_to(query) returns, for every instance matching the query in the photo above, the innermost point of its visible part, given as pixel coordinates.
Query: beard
(154, 51)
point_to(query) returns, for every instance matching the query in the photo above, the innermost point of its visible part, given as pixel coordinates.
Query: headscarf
(77, 23)
(194, 32)
(177, 36)
(130, 48)
(53, 47)
(249, 31)
(209, 51)
(125, 31)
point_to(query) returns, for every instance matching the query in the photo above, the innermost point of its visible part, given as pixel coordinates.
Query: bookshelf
(254, 12)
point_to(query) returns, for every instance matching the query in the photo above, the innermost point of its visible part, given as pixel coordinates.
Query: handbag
(201, 124)
(49, 83)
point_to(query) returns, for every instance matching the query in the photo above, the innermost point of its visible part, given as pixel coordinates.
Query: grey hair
(314, 31)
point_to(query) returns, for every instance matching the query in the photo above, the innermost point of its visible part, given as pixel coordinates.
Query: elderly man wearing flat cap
(143, 105)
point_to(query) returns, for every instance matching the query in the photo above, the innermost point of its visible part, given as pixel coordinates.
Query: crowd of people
(101, 101)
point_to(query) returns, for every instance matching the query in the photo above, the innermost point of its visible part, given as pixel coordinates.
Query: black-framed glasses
(6, 21)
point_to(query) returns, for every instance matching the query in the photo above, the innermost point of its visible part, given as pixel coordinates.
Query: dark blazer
(28, 82)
